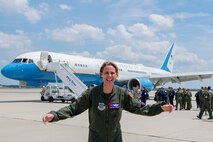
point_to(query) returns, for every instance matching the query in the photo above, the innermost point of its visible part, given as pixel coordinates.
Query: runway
(21, 111)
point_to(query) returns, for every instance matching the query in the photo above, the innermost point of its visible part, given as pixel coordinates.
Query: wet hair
(108, 63)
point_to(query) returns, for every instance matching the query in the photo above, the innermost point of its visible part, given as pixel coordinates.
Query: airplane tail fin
(169, 60)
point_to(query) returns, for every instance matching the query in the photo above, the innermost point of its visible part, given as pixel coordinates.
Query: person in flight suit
(105, 103)
(197, 96)
(205, 98)
(178, 98)
(188, 99)
(136, 92)
(171, 94)
(211, 97)
(144, 96)
(184, 98)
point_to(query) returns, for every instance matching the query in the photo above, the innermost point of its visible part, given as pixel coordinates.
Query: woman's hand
(167, 108)
(47, 117)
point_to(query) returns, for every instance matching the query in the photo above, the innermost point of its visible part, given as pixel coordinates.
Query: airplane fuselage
(31, 69)
(27, 67)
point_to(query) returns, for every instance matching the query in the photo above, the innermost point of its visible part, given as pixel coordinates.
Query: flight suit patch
(101, 106)
(114, 105)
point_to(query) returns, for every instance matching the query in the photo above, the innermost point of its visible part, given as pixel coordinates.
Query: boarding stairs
(64, 72)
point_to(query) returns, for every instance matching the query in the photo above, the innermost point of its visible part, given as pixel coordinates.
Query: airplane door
(45, 58)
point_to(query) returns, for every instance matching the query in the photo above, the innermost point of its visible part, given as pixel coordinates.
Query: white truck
(53, 92)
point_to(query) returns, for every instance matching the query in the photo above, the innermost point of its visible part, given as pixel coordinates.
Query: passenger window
(30, 61)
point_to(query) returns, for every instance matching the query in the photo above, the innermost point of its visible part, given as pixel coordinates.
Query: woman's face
(109, 75)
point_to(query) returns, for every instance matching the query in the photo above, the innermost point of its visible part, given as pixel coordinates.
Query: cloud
(14, 41)
(150, 54)
(136, 43)
(125, 10)
(188, 58)
(32, 15)
(65, 7)
(119, 33)
(21, 7)
(125, 53)
(138, 32)
(161, 21)
(189, 61)
(76, 33)
(130, 34)
(127, 44)
(186, 15)
(141, 29)
(139, 36)
(122, 52)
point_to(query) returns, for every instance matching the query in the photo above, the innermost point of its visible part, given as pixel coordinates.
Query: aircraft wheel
(72, 100)
(51, 99)
(42, 98)
(62, 100)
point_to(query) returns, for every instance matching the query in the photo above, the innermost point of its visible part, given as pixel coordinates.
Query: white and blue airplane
(27, 68)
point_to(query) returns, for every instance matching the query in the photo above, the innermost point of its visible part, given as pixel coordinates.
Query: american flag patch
(114, 105)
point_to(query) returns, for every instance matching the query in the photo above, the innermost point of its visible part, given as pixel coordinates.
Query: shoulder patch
(101, 106)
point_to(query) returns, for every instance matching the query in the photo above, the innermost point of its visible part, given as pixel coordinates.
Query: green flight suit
(178, 98)
(211, 99)
(188, 100)
(200, 93)
(205, 105)
(184, 95)
(105, 112)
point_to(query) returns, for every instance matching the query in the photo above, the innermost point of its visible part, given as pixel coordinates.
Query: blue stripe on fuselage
(30, 72)
(26, 72)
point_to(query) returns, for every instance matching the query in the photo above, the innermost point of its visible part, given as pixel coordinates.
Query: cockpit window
(23, 60)
(17, 61)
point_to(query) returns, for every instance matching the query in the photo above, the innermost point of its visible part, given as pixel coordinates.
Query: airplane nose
(8, 71)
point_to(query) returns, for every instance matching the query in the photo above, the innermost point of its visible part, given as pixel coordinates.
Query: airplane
(30, 69)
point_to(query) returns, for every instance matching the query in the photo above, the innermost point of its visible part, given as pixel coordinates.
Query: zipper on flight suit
(107, 101)
(107, 123)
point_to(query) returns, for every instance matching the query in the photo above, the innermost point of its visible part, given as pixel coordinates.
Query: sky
(130, 31)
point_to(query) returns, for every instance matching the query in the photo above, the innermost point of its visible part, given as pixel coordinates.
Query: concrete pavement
(21, 111)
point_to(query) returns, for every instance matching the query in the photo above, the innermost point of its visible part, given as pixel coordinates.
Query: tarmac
(21, 111)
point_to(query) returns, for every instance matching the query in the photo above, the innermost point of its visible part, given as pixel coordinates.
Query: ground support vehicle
(54, 93)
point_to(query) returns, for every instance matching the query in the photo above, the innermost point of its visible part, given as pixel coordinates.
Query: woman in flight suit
(105, 103)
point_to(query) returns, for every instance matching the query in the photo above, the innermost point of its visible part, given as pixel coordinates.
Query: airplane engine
(141, 81)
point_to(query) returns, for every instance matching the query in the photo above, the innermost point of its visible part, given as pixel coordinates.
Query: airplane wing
(180, 77)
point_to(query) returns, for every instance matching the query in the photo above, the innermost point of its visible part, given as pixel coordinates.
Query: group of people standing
(182, 97)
